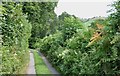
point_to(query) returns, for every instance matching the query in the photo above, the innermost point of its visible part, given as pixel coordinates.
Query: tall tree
(42, 17)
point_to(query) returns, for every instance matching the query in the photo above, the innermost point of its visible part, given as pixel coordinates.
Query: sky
(84, 8)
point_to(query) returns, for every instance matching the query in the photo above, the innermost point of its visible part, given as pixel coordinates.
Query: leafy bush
(70, 26)
(79, 40)
(42, 17)
(92, 49)
(51, 42)
(16, 31)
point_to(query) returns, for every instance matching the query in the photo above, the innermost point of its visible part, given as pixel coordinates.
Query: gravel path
(31, 68)
(49, 65)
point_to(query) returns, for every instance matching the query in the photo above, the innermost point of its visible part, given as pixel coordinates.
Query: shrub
(16, 32)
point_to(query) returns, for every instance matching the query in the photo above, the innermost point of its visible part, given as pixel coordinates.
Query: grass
(40, 66)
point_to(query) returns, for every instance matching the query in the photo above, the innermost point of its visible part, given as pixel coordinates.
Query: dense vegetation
(41, 15)
(90, 47)
(15, 31)
(21, 23)
(72, 45)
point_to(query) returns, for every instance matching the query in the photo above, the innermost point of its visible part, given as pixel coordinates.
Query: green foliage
(70, 26)
(72, 57)
(52, 42)
(16, 31)
(115, 16)
(67, 48)
(43, 19)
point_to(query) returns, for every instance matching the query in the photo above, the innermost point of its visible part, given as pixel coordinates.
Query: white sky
(84, 8)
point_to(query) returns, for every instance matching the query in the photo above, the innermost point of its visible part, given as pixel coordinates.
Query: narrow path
(48, 64)
(31, 68)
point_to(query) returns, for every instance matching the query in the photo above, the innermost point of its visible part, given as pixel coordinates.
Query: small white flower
(7, 50)
(15, 54)
(21, 25)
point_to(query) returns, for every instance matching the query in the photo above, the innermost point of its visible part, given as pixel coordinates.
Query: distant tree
(42, 17)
